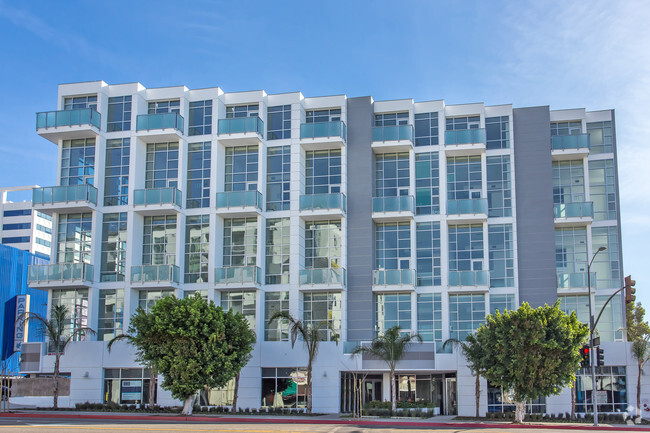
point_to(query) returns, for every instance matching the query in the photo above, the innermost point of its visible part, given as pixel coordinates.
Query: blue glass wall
(13, 282)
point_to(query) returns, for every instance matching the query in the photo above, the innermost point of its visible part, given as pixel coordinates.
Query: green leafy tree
(133, 340)
(473, 353)
(638, 332)
(311, 337)
(55, 331)
(530, 352)
(192, 343)
(390, 347)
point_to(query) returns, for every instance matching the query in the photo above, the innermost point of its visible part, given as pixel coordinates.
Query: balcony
(240, 131)
(60, 275)
(240, 203)
(568, 214)
(166, 276)
(323, 135)
(242, 277)
(570, 146)
(471, 279)
(575, 281)
(396, 208)
(68, 199)
(465, 141)
(393, 279)
(323, 278)
(397, 138)
(317, 205)
(160, 127)
(467, 210)
(157, 201)
(68, 124)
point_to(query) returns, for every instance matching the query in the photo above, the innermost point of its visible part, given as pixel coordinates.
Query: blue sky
(559, 53)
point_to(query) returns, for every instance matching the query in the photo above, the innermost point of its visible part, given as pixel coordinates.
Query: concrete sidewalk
(335, 419)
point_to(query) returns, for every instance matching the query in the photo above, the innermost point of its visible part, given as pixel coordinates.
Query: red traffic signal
(630, 290)
(584, 354)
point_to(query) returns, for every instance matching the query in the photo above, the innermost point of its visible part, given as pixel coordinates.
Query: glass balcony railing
(323, 130)
(465, 136)
(576, 280)
(241, 125)
(64, 194)
(336, 200)
(155, 274)
(402, 203)
(467, 207)
(392, 133)
(147, 122)
(55, 119)
(577, 141)
(238, 275)
(574, 210)
(157, 196)
(333, 276)
(469, 278)
(239, 199)
(60, 272)
(393, 277)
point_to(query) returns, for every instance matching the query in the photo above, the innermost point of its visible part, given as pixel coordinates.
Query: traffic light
(629, 289)
(584, 354)
(600, 357)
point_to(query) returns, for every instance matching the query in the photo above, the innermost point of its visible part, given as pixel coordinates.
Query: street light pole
(591, 340)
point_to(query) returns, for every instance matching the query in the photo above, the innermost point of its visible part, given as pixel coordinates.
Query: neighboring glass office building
(367, 214)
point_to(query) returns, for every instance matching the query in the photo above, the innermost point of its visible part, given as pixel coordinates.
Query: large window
(426, 129)
(392, 309)
(392, 176)
(200, 121)
(111, 314)
(427, 184)
(113, 267)
(161, 107)
(602, 188)
(607, 264)
(76, 301)
(80, 102)
(159, 240)
(148, 298)
(464, 177)
(393, 245)
(462, 123)
(566, 128)
(218, 396)
(116, 183)
(278, 166)
(323, 171)
(501, 252)
(428, 253)
(466, 314)
(322, 244)
(611, 390)
(466, 247)
(127, 385)
(197, 247)
(570, 250)
(610, 325)
(497, 132)
(568, 182)
(198, 175)
(17, 226)
(323, 308)
(240, 302)
(278, 249)
(241, 168)
(499, 186)
(275, 302)
(162, 165)
(284, 387)
(279, 122)
(119, 114)
(237, 111)
(502, 303)
(601, 137)
(392, 119)
(240, 242)
(78, 161)
(319, 116)
(497, 402)
(74, 238)
(430, 318)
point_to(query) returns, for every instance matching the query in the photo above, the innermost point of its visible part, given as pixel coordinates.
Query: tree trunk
(152, 387)
(520, 411)
(309, 386)
(573, 400)
(234, 397)
(477, 391)
(393, 393)
(638, 389)
(55, 376)
(188, 407)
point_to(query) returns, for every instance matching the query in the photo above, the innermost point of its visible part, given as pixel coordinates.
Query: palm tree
(641, 352)
(55, 331)
(390, 347)
(152, 370)
(472, 351)
(311, 335)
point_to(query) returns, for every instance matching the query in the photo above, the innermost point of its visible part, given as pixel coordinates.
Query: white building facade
(20, 226)
(367, 214)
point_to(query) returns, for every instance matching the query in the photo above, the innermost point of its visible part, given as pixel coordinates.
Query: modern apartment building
(20, 226)
(367, 214)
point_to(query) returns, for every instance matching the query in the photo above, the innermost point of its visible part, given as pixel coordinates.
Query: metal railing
(467, 206)
(240, 125)
(323, 276)
(393, 277)
(335, 200)
(148, 122)
(576, 141)
(576, 280)
(574, 210)
(469, 278)
(63, 194)
(323, 130)
(55, 119)
(155, 274)
(392, 133)
(238, 275)
(60, 272)
(402, 203)
(465, 136)
(157, 196)
(239, 199)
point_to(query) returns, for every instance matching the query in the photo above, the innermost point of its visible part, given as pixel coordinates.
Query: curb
(221, 420)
